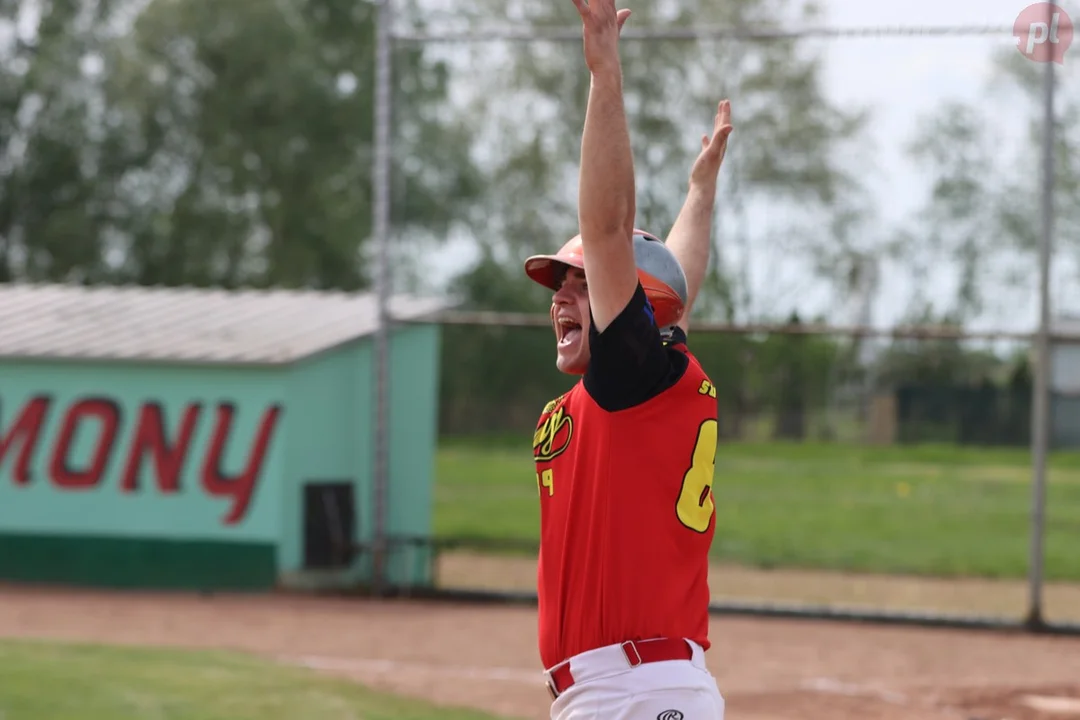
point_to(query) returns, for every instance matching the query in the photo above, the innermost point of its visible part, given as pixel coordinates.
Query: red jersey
(624, 469)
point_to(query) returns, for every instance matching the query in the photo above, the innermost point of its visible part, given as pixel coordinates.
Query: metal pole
(1040, 421)
(381, 237)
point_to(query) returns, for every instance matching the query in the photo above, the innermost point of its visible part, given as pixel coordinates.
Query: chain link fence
(893, 442)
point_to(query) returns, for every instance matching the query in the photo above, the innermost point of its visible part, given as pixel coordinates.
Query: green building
(207, 439)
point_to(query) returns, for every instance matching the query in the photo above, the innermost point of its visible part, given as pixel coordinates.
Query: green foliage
(215, 144)
(936, 362)
(784, 377)
(958, 221)
(498, 378)
(51, 207)
(949, 390)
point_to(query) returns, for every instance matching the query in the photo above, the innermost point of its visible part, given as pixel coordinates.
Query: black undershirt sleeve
(630, 362)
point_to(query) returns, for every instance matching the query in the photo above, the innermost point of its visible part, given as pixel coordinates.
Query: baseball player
(625, 458)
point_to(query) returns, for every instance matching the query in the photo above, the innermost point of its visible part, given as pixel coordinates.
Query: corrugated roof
(187, 324)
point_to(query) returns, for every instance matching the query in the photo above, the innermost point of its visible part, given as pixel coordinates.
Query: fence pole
(381, 237)
(1040, 426)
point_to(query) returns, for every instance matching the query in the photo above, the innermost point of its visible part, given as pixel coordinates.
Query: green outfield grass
(932, 510)
(46, 681)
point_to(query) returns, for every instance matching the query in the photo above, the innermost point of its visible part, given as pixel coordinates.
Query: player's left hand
(601, 25)
(707, 166)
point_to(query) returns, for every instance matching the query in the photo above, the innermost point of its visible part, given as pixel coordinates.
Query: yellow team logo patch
(553, 436)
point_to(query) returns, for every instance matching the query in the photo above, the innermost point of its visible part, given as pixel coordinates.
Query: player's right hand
(706, 167)
(601, 24)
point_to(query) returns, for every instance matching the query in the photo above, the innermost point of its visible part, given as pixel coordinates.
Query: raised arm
(606, 200)
(690, 237)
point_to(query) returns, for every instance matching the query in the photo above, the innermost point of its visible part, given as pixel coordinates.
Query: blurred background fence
(788, 383)
(885, 173)
(874, 317)
(859, 473)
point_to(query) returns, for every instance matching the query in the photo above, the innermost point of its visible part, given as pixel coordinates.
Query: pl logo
(1043, 32)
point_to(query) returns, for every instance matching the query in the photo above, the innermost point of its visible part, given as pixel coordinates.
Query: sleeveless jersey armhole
(630, 361)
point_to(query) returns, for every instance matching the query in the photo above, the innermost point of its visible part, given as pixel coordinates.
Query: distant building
(209, 439)
(1065, 383)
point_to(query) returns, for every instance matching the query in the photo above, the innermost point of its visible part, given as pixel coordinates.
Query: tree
(982, 220)
(269, 154)
(222, 144)
(53, 143)
(955, 229)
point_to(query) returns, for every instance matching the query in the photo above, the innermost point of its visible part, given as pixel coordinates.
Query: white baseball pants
(606, 686)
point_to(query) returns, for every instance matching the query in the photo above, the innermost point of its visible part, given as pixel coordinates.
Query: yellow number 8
(695, 505)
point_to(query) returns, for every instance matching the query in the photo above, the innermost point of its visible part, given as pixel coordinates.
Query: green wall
(332, 405)
(55, 527)
(330, 438)
(414, 396)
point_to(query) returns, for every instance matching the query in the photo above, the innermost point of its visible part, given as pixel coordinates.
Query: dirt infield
(485, 657)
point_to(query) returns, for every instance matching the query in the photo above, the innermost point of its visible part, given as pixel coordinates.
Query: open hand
(601, 24)
(713, 149)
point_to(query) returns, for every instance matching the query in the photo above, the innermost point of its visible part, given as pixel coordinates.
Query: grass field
(46, 681)
(931, 510)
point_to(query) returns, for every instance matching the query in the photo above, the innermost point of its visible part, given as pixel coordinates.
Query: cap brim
(544, 269)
